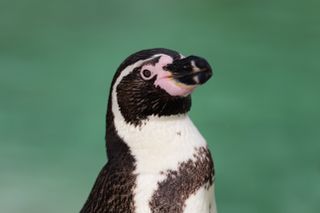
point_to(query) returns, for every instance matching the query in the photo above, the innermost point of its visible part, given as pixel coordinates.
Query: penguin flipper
(112, 191)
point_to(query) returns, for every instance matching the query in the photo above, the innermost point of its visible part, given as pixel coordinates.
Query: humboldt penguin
(158, 162)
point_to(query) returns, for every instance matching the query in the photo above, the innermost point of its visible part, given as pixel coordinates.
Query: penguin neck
(167, 140)
(117, 127)
(122, 136)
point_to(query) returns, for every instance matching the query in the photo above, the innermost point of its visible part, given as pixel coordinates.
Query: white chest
(160, 145)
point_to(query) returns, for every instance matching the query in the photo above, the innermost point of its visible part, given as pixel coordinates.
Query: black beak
(191, 70)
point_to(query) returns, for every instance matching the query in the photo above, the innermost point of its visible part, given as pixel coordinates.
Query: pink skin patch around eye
(164, 78)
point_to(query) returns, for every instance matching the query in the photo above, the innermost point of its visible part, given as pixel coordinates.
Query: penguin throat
(115, 144)
(136, 114)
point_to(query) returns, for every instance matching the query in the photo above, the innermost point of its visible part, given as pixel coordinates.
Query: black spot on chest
(180, 184)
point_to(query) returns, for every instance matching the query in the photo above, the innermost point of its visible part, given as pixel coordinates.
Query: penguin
(158, 162)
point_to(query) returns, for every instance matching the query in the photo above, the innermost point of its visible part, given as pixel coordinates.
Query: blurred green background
(260, 112)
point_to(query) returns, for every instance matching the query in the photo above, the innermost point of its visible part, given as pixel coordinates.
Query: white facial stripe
(129, 69)
(157, 69)
(125, 72)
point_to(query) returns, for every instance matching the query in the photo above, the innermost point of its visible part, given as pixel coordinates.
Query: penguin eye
(146, 74)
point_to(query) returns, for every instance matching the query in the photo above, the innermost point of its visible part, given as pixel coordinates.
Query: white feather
(199, 201)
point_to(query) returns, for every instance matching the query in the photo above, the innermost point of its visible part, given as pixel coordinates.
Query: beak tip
(204, 76)
(192, 70)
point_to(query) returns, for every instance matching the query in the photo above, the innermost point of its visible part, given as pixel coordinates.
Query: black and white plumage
(158, 162)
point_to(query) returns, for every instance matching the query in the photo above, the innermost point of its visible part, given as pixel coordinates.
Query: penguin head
(156, 82)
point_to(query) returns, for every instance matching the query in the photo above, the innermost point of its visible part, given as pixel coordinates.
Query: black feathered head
(156, 82)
